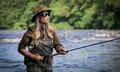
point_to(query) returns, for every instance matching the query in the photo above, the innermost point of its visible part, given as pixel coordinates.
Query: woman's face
(44, 17)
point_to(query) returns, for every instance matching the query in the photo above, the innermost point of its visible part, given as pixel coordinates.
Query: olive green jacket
(28, 37)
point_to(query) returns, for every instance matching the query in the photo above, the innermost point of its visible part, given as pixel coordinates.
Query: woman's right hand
(38, 58)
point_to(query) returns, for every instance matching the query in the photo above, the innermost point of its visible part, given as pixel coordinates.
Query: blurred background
(66, 14)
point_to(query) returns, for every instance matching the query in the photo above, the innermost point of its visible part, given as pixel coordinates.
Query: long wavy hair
(41, 30)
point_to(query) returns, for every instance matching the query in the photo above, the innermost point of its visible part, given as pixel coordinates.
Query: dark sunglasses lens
(44, 14)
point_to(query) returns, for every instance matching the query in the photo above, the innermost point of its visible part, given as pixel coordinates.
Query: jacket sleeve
(24, 42)
(56, 41)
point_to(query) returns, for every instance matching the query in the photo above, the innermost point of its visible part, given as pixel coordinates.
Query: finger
(42, 57)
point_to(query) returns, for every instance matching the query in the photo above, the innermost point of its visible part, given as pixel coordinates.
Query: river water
(99, 58)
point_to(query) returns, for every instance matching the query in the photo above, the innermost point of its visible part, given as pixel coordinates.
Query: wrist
(33, 56)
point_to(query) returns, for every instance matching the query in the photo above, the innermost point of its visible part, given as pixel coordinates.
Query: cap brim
(34, 17)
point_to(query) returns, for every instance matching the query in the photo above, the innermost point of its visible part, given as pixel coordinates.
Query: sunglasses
(44, 14)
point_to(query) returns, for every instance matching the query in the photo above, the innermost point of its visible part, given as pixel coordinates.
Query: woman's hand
(38, 58)
(62, 51)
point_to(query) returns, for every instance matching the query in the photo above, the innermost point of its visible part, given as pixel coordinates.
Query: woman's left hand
(62, 51)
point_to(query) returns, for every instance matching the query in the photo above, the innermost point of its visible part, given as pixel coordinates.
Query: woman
(40, 40)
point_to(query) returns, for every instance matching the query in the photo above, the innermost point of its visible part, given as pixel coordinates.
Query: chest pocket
(46, 43)
(44, 47)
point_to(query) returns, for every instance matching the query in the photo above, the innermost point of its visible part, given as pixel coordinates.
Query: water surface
(99, 58)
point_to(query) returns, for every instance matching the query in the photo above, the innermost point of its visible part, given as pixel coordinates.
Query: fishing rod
(87, 46)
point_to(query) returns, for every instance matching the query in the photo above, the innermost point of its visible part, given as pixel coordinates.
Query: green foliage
(66, 14)
(62, 26)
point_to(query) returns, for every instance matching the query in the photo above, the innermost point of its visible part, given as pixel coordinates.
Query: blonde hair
(42, 30)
